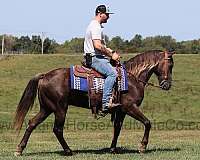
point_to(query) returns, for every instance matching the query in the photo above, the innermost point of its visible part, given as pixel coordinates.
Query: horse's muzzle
(165, 85)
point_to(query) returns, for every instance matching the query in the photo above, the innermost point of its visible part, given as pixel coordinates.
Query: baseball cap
(103, 9)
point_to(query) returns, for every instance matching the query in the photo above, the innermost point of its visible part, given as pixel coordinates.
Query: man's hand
(115, 56)
(110, 50)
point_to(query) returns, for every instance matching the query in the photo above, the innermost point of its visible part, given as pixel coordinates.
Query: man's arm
(99, 46)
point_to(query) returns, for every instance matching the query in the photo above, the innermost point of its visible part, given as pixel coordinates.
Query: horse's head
(164, 69)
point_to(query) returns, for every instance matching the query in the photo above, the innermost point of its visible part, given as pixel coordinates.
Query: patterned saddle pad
(80, 82)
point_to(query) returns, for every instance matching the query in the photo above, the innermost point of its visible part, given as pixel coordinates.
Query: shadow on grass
(106, 151)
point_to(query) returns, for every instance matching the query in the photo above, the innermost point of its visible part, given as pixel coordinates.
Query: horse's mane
(142, 62)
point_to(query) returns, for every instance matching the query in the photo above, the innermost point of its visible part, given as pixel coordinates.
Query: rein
(145, 83)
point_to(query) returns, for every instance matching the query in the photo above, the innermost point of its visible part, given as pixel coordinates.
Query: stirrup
(102, 115)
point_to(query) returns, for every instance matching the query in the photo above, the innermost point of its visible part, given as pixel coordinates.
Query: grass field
(175, 115)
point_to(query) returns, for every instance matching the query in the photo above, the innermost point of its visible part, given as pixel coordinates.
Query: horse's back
(55, 83)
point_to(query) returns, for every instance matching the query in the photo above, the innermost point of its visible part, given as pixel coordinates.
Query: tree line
(25, 44)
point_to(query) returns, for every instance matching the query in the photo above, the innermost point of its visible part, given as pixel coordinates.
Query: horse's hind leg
(58, 129)
(39, 118)
(134, 112)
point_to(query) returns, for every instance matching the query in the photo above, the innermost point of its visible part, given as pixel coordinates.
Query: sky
(65, 19)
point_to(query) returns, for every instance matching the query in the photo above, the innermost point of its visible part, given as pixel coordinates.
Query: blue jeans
(103, 66)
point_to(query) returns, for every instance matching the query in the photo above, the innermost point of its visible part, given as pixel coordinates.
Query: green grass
(94, 145)
(175, 115)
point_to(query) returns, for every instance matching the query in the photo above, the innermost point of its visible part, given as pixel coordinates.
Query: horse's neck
(145, 76)
(143, 72)
(141, 66)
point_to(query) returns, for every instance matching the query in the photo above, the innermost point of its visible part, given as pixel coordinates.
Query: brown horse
(55, 95)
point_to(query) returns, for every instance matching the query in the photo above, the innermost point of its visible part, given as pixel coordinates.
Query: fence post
(2, 45)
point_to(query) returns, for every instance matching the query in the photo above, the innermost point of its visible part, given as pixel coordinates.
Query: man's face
(104, 17)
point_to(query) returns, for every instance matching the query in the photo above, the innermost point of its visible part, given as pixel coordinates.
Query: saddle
(94, 95)
(84, 72)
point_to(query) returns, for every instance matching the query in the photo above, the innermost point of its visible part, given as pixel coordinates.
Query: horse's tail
(27, 101)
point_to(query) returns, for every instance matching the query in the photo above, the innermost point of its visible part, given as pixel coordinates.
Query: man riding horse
(56, 92)
(97, 54)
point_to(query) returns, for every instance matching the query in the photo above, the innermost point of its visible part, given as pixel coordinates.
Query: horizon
(110, 38)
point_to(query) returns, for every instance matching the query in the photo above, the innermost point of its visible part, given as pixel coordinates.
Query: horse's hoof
(17, 153)
(114, 151)
(142, 148)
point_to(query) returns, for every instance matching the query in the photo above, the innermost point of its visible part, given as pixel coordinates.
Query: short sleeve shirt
(94, 31)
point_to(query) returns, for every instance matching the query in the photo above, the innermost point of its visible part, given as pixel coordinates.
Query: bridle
(166, 64)
(145, 83)
(165, 84)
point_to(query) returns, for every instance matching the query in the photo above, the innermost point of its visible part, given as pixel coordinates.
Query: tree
(136, 43)
(23, 44)
(149, 43)
(159, 42)
(166, 42)
(76, 45)
(49, 46)
(116, 43)
(195, 46)
(36, 44)
(65, 48)
(9, 42)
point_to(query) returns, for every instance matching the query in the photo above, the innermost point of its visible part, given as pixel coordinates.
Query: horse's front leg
(118, 121)
(134, 112)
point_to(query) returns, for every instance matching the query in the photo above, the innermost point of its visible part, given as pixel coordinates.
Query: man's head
(103, 13)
